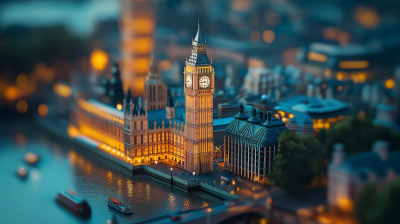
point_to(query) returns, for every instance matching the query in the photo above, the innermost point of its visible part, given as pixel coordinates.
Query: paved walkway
(246, 189)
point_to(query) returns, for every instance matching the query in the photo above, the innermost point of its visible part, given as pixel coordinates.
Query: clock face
(204, 82)
(188, 81)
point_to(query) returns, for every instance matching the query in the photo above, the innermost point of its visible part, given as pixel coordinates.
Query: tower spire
(198, 24)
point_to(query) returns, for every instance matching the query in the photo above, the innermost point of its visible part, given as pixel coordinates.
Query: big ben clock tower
(199, 90)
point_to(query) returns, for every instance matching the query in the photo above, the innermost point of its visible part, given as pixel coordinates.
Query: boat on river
(124, 208)
(71, 200)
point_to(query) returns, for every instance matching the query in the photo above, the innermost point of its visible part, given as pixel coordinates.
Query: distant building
(323, 112)
(386, 114)
(301, 124)
(358, 63)
(155, 91)
(261, 80)
(251, 143)
(347, 175)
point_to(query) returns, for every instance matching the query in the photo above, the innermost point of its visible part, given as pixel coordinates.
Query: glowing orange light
(22, 106)
(339, 76)
(113, 151)
(98, 59)
(142, 25)
(291, 115)
(209, 210)
(108, 148)
(345, 204)
(354, 64)
(339, 88)
(304, 212)
(254, 36)
(119, 106)
(31, 157)
(255, 62)
(320, 208)
(316, 57)
(22, 80)
(118, 153)
(165, 65)
(11, 93)
(389, 84)
(122, 154)
(62, 90)
(141, 65)
(72, 131)
(269, 36)
(367, 17)
(232, 192)
(327, 72)
(42, 110)
(141, 45)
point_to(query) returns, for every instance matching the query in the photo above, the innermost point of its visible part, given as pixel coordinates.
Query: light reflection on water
(68, 168)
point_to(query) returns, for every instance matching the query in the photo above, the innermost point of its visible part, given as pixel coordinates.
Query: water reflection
(63, 166)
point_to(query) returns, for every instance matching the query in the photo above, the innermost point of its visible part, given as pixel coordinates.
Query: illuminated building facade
(251, 144)
(358, 63)
(137, 27)
(323, 112)
(347, 175)
(138, 135)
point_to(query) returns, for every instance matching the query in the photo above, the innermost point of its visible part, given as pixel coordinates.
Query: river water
(64, 166)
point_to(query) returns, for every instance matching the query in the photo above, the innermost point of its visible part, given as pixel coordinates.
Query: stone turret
(170, 109)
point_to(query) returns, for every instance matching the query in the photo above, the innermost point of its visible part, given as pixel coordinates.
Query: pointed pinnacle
(198, 23)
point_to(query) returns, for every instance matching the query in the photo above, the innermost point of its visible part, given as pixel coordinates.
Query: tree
(357, 135)
(373, 208)
(365, 203)
(388, 204)
(299, 160)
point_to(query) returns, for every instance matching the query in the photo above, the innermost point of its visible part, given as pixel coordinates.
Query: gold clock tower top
(199, 74)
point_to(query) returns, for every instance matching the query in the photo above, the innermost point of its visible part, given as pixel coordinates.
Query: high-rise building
(137, 27)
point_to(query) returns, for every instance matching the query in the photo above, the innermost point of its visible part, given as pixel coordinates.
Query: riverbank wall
(92, 146)
(181, 183)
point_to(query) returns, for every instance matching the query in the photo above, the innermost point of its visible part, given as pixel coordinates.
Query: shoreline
(160, 176)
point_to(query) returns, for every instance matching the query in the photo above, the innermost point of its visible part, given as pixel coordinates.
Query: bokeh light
(389, 84)
(62, 90)
(254, 36)
(22, 106)
(367, 17)
(119, 106)
(22, 80)
(165, 65)
(269, 36)
(98, 59)
(43, 110)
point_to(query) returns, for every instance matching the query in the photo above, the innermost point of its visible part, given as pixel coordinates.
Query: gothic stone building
(251, 143)
(139, 134)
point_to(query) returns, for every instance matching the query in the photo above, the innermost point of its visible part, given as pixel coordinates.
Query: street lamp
(193, 174)
(156, 164)
(171, 171)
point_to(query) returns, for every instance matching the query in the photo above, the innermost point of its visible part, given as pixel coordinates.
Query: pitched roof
(199, 37)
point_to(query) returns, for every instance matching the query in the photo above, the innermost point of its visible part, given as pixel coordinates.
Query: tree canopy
(373, 208)
(298, 161)
(357, 135)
